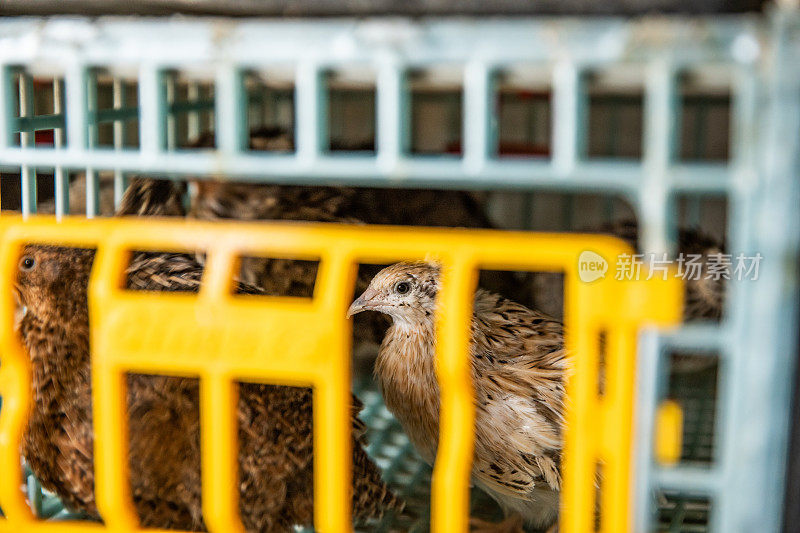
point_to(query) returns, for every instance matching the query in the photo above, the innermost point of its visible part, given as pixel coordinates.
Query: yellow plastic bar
(669, 432)
(218, 429)
(451, 481)
(222, 338)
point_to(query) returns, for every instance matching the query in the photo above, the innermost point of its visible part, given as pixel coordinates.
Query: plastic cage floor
(410, 476)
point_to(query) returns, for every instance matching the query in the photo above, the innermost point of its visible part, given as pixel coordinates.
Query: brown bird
(275, 422)
(518, 365)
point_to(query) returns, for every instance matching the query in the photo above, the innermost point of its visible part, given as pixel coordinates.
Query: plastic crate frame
(234, 332)
(760, 181)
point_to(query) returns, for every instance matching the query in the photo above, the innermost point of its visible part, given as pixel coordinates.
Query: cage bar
(231, 110)
(569, 109)
(480, 136)
(766, 310)
(27, 139)
(703, 338)
(688, 480)
(76, 81)
(193, 120)
(650, 356)
(119, 95)
(92, 178)
(7, 120)
(61, 179)
(169, 96)
(152, 111)
(393, 116)
(311, 112)
(660, 127)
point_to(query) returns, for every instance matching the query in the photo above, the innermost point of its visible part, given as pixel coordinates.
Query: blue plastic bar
(193, 120)
(480, 139)
(115, 115)
(169, 95)
(766, 310)
(649, 358)
(569, 114)
(393, 116)
(41, 122)
(76, 107)
(119, 95)
(444, 172)
(700, 339)
(27, 140)
(60, 177)
(26, 105)
(688, 479)
(660, 127)
(311, 112)
(7, 111)
(152, 109)
(92, 178)
(744, 151)
(231, 111)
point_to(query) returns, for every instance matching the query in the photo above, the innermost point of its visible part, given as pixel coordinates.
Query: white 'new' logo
(591, 266)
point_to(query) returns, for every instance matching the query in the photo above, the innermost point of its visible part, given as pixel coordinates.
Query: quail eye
(27, 263)
(402, 288)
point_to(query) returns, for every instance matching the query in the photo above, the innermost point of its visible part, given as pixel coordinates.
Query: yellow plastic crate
(223, 338)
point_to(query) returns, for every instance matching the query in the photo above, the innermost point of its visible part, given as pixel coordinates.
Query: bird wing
(152, 197)
(519, 365)
(164, 424)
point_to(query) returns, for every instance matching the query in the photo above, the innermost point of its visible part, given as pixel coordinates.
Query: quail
(275, 422)
(518, 365)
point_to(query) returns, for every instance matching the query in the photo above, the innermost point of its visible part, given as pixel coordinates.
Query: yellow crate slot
(669, 432)
(222, 338)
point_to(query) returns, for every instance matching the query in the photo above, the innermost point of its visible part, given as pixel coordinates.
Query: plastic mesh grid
(696, 392)
(682, 514)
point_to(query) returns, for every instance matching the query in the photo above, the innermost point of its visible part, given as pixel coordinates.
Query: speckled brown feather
(153, 197)
(518, 365)
(275, 422)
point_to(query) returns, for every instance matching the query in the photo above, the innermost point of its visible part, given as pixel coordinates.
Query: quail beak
(364, 302)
